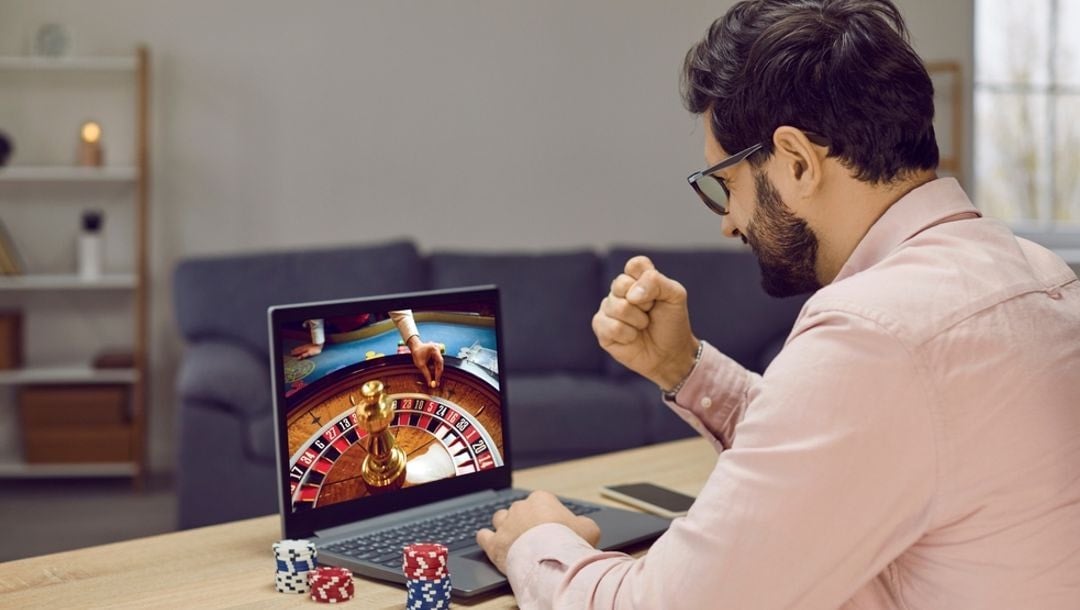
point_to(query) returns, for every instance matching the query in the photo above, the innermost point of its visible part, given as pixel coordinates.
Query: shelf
(108, 281)
(67, 173)
(90, 469)
(87, 64)
(69, 374)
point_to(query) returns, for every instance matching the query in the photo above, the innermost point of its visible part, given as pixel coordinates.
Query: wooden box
(110, 443)
(11, 353)
(75, 423)
(48, 406)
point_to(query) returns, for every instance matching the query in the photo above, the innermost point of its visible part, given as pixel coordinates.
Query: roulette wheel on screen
(452, 430)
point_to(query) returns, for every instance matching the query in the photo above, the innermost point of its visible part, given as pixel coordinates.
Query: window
(1027, 116)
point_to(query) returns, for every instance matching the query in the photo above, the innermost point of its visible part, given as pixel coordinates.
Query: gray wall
(472, 124)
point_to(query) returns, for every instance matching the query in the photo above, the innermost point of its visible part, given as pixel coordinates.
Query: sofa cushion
(573, 414)
(728, 307)
(260, 439)
(225, 374)
(217, 478)
(227, 297)
(661, 423)
(547, 304)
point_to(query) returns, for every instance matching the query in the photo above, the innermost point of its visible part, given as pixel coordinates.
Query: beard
(786, 247)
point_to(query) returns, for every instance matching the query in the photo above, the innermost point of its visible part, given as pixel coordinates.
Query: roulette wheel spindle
(384, 466)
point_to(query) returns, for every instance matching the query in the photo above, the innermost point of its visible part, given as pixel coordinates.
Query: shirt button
(706, 402)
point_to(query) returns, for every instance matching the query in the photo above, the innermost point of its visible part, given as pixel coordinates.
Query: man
(916, 444)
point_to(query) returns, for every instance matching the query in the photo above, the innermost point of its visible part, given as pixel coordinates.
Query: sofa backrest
(227, 296)
(728, 307)
(548, 301)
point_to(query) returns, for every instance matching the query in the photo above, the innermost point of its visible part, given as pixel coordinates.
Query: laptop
(371, 457)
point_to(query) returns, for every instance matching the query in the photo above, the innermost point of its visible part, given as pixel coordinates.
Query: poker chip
(289, 565)
(294, 559)
(331, 585)
(427, 576)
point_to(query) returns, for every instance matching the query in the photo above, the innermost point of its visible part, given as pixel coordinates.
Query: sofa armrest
(226, 374)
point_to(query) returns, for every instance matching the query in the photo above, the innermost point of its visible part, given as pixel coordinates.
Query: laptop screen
(378, 396)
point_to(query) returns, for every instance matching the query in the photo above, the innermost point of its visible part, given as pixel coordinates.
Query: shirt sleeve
(830, 477)
(715, 396)
(406, 325)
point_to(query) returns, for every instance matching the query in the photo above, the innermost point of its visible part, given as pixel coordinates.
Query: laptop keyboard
(454, 531)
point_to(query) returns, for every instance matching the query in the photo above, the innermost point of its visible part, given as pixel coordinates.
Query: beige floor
(40, 517)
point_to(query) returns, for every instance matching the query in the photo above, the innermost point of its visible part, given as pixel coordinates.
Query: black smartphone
(650, 498)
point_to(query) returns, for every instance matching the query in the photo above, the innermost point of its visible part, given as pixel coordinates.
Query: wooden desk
(232, 564)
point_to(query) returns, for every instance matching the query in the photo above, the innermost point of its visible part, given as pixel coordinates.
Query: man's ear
(800, 160)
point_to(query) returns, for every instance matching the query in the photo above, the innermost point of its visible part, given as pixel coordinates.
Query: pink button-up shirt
(915, 445)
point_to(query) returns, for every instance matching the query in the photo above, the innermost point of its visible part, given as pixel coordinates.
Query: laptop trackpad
(473, 566)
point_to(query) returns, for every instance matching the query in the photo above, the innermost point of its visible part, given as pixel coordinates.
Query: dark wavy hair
(843, 69)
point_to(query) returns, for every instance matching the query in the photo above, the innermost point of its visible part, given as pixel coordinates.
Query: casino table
(383, 338)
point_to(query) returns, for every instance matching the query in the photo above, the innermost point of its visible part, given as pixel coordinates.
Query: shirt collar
(932, 203)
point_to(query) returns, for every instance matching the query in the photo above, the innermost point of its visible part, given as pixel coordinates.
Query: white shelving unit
(48, 179)
(76, 374)
(82, 64)
(109, 281)
(19, 470)
(61, 173)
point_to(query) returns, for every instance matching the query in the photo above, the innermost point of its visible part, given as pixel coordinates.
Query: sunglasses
(712, 189)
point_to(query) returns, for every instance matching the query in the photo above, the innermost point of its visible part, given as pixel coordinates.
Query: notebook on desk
(372, 457)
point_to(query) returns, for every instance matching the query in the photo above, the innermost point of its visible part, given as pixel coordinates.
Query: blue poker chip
(295, 566)
(428, 594)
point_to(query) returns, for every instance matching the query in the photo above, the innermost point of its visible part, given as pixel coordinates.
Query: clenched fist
(644, 324)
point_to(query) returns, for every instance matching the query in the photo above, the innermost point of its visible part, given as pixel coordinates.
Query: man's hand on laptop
(539, 508)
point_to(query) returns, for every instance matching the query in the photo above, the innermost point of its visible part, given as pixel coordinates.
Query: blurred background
(475, 124)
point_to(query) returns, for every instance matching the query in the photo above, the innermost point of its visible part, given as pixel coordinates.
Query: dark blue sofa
(569, 399)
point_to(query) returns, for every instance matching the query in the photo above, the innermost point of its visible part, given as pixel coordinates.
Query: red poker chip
(342, 592)
(426, 572)
(334, 593)
(425, 559)
(427, 578)
(430, 570)
(327, 581)
(331, 571)
(423, 565)
(327, 573)
(333, 586)
(434, 568)
(425, 546)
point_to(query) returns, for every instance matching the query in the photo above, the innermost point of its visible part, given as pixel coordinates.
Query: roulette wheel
(448, 431)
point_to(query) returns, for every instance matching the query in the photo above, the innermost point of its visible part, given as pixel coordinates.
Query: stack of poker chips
(331, 585)
(427, 576)
(295, 558)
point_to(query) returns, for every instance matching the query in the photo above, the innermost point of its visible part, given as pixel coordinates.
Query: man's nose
(727, 226)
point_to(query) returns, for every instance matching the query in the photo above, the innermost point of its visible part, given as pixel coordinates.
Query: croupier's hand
(428, 359)
(644, 324)
(307, 350)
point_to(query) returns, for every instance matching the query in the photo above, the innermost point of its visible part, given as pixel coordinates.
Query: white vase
(89, 259)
